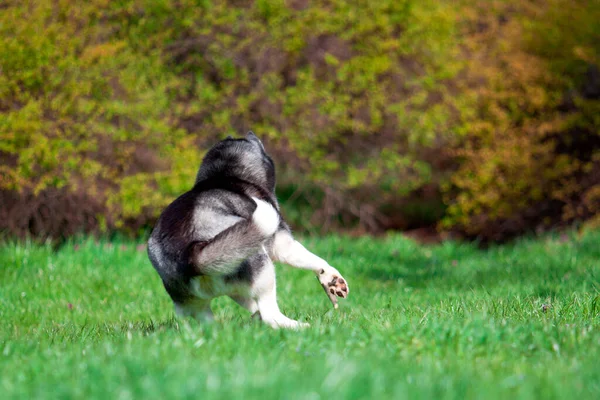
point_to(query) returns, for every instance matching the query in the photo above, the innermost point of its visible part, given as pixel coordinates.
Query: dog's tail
(223, 253)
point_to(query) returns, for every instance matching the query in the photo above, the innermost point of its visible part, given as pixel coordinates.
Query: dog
(221, 238)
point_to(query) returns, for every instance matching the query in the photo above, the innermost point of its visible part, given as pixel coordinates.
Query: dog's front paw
(334, 284)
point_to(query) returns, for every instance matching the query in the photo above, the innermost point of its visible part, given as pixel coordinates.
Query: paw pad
(334, 285)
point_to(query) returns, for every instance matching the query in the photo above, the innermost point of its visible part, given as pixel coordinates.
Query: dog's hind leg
(264, 291)
(222, 254)
(196, 308)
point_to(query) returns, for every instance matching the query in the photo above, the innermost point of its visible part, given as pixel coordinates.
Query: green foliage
(320, 78)
(82, 107)
(92, 320)
(366, 107)
(116, 100)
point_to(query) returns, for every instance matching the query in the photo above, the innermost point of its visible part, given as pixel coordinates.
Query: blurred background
(479, 119)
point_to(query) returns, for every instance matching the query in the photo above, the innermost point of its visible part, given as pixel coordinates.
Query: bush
(373, 110)
(83, 111)
(116, 101)
(530, 158)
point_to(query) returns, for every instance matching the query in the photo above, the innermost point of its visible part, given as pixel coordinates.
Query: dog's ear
(250, 136)
(229, 137)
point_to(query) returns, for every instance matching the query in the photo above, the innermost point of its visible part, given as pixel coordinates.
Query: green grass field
(92, 320)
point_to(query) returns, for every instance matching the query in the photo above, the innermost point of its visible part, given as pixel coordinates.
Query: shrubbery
(531, 155)
(373, 110)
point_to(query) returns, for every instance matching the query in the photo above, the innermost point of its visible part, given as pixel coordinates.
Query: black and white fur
(222, 236)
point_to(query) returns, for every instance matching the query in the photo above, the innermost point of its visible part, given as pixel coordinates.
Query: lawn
(91, 320)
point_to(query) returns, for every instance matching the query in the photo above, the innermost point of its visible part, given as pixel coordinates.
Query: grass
(92, 320)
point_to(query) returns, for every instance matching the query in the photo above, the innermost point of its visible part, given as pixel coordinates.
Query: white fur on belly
(265, 217)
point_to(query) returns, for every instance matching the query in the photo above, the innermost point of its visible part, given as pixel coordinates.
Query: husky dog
(222, 237)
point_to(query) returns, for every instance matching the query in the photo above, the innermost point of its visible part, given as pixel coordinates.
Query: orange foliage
(522, 165)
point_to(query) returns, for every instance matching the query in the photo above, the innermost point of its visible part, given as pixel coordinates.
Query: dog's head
(243, 158)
